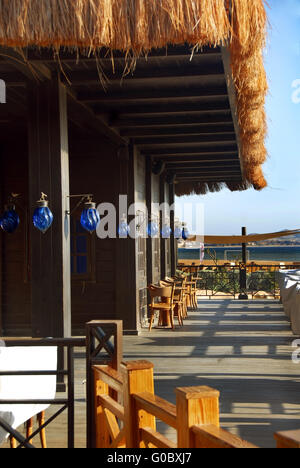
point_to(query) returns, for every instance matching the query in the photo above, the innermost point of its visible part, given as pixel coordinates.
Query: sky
(278, 206)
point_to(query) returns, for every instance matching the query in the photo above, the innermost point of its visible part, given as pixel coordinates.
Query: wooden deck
(242, 348)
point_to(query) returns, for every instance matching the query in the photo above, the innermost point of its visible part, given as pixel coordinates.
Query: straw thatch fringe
(137, 26)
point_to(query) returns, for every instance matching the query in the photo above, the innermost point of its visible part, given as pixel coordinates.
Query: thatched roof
(137, 26)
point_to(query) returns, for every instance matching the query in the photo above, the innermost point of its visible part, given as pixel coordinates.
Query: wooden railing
(129, 420)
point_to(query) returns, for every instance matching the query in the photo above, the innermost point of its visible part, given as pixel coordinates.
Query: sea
(262, 253)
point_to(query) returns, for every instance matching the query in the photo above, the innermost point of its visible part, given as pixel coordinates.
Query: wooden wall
(116, 286)
(97, 167)
(15, 275)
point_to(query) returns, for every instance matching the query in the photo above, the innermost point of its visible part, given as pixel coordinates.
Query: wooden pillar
(195, 405)
(125, 248)
(149, 208)
(172, 225)
(49, 173)
(243, 270)
(163, 242)
(288, 439)
(1, 249)
(137, 378)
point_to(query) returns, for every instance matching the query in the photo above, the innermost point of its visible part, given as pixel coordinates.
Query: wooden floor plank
(241, 348)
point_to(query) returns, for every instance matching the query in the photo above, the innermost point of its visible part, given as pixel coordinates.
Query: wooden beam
(99, 123)
(186, 139)
(218, 118)
(209, 179)
(204, 164)
(106, 55)
(202, 158)
(201, 129)
(167, 108)
(209, 171)
(148, 74)
(31, 72)
(154, 94)
(196, 150)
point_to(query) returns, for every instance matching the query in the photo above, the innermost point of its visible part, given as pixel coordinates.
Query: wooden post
(98, 336)
(125, 277)
(288, 439)
(101, 433)
(49, 173)
(163, 242)
(149, 208)
(173, 241)
(243, 270)
(1, 250)
(137, 378)
(195, 405)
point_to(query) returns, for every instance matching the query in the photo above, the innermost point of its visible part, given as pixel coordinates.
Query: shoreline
(196, 262)
(240, 245)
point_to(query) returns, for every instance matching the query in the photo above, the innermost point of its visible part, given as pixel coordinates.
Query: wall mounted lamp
(10, 219)
(42, 216)
(90, 217)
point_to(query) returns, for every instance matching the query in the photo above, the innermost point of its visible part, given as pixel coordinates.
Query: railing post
(100, 350)
(137, 378)
(101, 433)
(195, 405)
(288, 439)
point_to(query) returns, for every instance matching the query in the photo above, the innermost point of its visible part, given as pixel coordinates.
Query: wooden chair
(179, 303)
(164, 305)
(178, 299)
(192, 293)
(180, 283)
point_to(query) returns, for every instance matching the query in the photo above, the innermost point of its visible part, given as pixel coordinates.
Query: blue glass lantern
(42, 216)
(123, 230)
(177, 232)
(153, 229)
(166, 232)
(90, 217)
(185, 232)
(10, 219)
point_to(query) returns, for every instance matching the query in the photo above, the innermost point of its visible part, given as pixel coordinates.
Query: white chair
(32, 387)
(287, 293)
(282, 274)
(295, 311)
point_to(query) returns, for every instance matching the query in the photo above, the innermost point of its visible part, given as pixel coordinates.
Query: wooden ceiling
(176, 107)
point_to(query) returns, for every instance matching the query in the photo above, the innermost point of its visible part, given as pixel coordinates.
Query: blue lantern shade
(166, 232)
(153, 229)
(90, 217)
(185, 233)
(42, 216)
(10, 220)
(177, 232)
(123, 228)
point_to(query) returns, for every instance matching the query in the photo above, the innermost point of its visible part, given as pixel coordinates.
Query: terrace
(241, 348)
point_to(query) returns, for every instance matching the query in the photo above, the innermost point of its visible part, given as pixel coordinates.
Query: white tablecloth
(36, 358)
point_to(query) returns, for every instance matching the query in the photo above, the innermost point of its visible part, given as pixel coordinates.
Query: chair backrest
(168, 279)
(161, 291)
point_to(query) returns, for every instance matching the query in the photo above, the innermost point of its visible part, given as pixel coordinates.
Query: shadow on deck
(241, 348)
